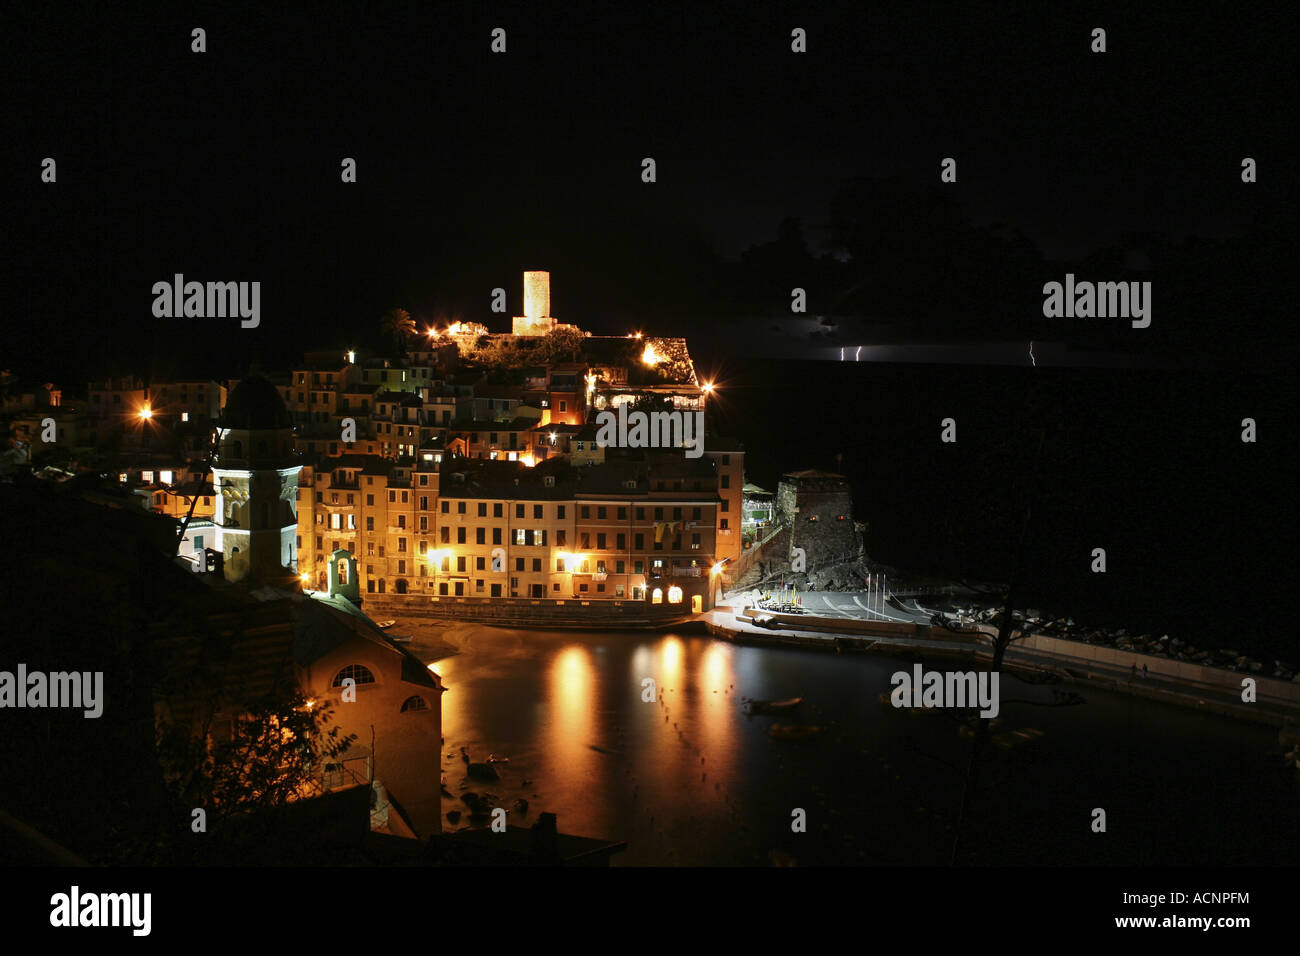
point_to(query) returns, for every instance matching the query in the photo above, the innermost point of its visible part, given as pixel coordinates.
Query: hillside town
(464, 464)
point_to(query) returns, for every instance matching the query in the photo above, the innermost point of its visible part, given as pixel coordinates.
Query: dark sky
(474, 166)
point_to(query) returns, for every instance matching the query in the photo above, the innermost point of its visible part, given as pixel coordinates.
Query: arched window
(357, 672)
(343, 570)
(657, 596)
(414, 703)
(674, 595)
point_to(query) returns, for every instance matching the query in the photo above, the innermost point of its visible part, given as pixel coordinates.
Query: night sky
(473, 167)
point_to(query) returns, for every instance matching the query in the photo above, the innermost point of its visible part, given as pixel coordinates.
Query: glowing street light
(146, 413)
(707, 388)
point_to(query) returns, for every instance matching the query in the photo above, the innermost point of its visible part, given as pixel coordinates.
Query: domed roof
(255, 404)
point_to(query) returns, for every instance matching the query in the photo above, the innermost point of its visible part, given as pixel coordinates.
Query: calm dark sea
(693, 780)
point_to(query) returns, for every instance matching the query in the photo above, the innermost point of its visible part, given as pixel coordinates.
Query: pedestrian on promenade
(1135, 669)
(1144, 672)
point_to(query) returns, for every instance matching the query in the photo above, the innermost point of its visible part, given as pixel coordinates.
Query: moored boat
(771, 706)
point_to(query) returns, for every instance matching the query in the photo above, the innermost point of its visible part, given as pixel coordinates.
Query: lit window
(674, 595)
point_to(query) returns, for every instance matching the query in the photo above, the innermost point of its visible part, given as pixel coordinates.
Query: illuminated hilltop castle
(537, 319)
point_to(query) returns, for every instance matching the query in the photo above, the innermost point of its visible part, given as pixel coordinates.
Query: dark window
(357, 672)
(414, 703)
(480, 535)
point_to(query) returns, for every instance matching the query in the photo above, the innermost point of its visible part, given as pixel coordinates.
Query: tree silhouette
(398, 327)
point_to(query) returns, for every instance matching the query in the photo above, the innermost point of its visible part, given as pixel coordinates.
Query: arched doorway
(697, 603)
(401, 586)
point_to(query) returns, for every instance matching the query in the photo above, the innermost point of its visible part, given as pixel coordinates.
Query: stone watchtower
(817, 506)
(255, 472)
(537, 319)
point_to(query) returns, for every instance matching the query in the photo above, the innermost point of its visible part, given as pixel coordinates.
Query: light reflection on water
(691, 779)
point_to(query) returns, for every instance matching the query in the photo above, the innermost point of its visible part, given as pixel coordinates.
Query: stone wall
(1214, 678)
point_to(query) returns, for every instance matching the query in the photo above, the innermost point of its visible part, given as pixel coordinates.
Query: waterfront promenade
(1216, 690)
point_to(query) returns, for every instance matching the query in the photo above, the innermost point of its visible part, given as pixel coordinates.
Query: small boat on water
(793, 731)
(771, 706)
(384, 625)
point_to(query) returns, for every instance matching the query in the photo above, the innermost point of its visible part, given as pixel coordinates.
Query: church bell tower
(255, 472)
